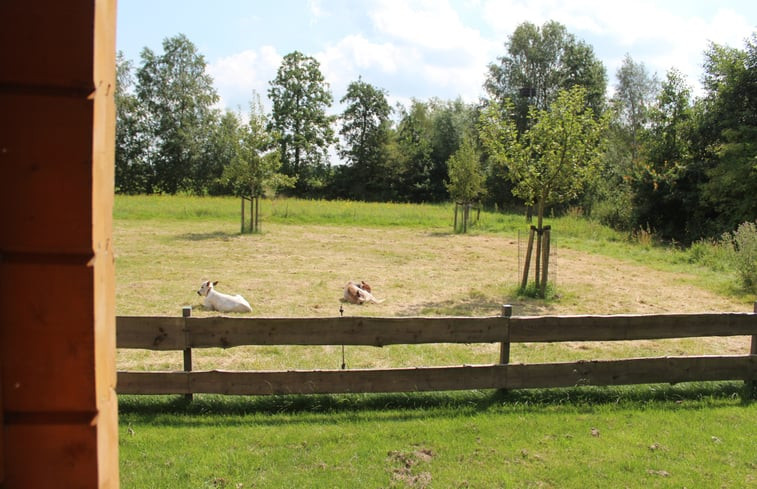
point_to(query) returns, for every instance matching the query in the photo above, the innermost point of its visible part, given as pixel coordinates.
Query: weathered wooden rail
(186, 333)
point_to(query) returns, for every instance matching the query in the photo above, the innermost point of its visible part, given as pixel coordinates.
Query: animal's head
(206, 287)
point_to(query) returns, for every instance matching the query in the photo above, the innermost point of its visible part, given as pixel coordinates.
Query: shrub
(742, 245)
(710, 253)
(643, 236)
(616, 211)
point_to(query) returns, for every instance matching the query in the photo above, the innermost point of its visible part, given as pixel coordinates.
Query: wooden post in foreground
(59, 409)
(185, 313)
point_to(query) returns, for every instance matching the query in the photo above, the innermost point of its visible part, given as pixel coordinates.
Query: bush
(711, 254)
(616, 211)
(742, 246)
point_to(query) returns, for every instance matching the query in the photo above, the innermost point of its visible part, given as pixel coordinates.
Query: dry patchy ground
(299, 271)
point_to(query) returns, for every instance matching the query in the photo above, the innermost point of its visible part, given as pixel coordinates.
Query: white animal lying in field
(359, 293)
(222, 302)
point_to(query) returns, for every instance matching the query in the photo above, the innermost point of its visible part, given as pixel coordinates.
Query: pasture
(651, 436)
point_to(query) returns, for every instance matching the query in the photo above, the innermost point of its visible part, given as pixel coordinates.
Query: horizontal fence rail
(186, 333)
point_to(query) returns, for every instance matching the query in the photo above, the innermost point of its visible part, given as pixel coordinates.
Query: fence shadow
(446, 404)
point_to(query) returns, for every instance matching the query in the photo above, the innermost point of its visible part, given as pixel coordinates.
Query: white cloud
(426, 48)
(430, 24)
(236, 76)
(660, 35)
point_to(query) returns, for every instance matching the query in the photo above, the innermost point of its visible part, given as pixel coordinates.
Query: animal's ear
(215, 283)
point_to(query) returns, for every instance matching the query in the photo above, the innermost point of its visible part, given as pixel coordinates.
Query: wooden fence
(187, 333)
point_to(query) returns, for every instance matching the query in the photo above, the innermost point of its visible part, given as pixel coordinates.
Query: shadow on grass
(216, 235)
(693, 395)
(478, 304)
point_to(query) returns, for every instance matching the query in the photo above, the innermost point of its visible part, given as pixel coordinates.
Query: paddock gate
(188, 333)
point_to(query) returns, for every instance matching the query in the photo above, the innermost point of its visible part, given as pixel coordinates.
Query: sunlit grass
(637, 436)
(688, 436)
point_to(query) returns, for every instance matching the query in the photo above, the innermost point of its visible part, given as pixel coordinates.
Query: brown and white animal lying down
(219, 301)
(359, 293)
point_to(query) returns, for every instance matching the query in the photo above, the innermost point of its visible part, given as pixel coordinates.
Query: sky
(422, 48)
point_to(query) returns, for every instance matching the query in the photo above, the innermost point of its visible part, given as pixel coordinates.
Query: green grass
(691, 436)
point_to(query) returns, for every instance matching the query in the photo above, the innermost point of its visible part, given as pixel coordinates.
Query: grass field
(647, 436)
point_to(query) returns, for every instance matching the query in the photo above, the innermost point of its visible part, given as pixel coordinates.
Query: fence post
(504, 347)
(185, 313)
(752, 382)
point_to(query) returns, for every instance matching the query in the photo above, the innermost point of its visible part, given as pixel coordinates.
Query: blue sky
(421, 48)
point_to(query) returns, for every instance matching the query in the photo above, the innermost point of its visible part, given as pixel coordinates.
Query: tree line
(655, 157)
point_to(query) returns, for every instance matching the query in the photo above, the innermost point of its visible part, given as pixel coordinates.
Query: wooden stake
(527, 265)
(454, 226)
(545, 253)
(242, 231)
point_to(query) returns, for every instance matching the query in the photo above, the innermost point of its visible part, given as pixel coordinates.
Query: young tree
(300, 97)
(552, 160)
(466, 178)
(255, 167)
(177, 93)
(365, 131)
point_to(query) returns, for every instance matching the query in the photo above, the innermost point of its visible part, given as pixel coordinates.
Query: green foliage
(300, 97)
(134, 173)
(551, 162)
(742, 247)
(664, 179)
(177, 94)
(365, 131)
(254, 167)
(540, 62)
(466, 179)
(683, 167)
(728, 131)
(414, 153)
